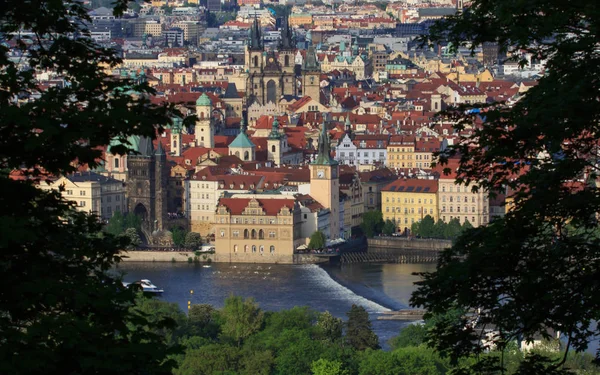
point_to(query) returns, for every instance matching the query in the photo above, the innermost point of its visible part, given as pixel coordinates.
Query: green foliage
(330, 327)
(133, 238)
(543, 147)
(317, 240)
(193, 240)
(405, 361)
(326, 367)
(428, 228)
(411, 335)
(168, 318)
(242, 318)
(178, 235)
(359, 333)
(372, 223)
(115, 224)
(388, 228)
(131, 220)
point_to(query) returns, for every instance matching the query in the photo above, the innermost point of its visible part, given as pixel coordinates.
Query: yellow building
(257, 229)
(299, 19)
(407, 201)
(190, 30)
(401, 152)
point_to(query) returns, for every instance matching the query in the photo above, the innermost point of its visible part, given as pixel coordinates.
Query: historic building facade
(270, 76)
(257, 229)
(147, 177)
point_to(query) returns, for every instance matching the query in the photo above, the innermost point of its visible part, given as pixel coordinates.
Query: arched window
(246, 155)
(253, 233)
(235, 248)
(246, 233)
(272, 249)
(262, 249)
(116, 162)
(273, 148)
(261, 234)
(253, 248)
(237, 153)
(246, 248)
(255, 61)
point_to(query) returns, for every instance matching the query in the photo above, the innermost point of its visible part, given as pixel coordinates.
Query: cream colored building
(190, 30)
(203, 191)
(459, 201)
(257, 229)
(91, 192)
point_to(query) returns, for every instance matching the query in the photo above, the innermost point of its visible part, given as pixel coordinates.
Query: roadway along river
(377, 287)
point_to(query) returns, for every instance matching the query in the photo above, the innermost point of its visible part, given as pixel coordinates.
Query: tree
(115, 224)
(359, 333)
(193, 240)
(372, 223)
(426, 227)
(543, 148)
(326, 367)
(132, 221)
(63, 313)
(242, 318)
(178, 235)
(317, 240)
(411, 335)
(133, 238)
(329, 326)
(388, 228)
(452, 229)
(202, 321)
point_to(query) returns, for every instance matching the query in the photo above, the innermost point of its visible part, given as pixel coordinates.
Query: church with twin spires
(270, 75)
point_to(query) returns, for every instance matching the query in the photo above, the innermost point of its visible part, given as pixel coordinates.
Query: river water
(376, 287)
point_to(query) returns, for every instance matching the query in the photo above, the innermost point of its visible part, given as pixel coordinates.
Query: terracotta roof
(272, 207)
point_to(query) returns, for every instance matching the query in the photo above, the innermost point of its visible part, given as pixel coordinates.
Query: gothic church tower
(324, 182)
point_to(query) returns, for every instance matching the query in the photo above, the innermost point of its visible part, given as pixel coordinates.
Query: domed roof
(203, 100)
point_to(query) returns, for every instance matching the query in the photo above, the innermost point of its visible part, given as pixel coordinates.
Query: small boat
(147, 286)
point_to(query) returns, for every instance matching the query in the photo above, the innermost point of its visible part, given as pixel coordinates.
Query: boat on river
(146, 285)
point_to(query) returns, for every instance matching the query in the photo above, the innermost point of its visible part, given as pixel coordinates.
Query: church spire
(310, 63)
(324, 154)
(255, 41)
(243, 127)
(288, 40)
(275, 129)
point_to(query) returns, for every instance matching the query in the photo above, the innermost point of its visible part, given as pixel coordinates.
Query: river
(376, 287)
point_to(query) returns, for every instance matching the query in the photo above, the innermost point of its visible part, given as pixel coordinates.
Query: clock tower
(324, 182)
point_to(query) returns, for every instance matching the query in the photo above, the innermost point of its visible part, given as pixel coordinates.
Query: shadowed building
(147, 176)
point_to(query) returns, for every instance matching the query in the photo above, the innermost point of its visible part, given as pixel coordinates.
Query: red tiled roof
(412, 186)
(272, 207)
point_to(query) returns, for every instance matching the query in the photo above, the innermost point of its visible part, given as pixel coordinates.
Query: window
(82, 193)
(246, 233)
(261, 235)
(82, 204)
(117, 198)
(222, 233)
(236, 233)
(253, 248)
(108, 199)
(246, 248)
(235, 248)
(272, 249)
(116, 162)
(271, 234)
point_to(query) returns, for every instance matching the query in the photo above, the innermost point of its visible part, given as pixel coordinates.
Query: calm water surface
(377, 287)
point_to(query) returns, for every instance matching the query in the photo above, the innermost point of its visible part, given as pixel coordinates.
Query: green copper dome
(203, 100)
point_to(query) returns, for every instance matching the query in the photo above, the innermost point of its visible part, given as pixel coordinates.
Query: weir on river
(397, 250)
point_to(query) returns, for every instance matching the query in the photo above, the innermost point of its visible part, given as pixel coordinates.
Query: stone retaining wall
(183, 256)
(161, 256)
(402, 243)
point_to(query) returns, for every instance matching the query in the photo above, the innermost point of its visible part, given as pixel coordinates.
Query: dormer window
(231, 186)
(241, 186)
(221, 186)
(188, 162)
(252, 186)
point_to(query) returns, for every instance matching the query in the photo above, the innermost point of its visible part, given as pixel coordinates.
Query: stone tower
(324, 182)
(311, 74)
(275, 144)
(204, 130)
(147, 175)
(176, 136)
